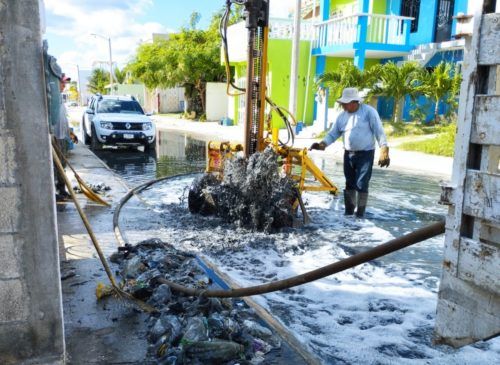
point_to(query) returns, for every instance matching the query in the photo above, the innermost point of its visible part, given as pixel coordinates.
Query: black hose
(386, 248)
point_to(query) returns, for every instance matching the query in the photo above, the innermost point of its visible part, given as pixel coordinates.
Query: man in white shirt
(61, 137)
(360, 126)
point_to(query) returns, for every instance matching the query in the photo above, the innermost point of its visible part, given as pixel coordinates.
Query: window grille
(411, 8)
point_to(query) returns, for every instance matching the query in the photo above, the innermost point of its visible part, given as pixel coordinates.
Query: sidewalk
(107, 331)
(407, 161)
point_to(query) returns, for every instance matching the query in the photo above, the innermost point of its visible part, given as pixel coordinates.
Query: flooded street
(398, 203)
(385, 308)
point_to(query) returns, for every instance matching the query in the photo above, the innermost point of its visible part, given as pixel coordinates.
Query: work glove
(318, 146)
(73, 137)
(384, 160)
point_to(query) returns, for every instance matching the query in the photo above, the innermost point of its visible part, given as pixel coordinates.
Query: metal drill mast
(257, 22)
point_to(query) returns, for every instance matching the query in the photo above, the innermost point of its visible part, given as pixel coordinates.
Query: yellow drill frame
(218, 152)
(298, 157)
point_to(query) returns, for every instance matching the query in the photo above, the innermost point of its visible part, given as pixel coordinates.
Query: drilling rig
(259, 132)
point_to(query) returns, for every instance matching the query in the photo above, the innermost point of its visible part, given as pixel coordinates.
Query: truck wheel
(94, 142)
(86, 138)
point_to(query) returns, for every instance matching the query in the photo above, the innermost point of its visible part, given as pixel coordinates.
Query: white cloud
(75, 20)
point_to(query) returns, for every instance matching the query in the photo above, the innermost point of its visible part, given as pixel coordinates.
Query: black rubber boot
(361, 203)
(349, 201)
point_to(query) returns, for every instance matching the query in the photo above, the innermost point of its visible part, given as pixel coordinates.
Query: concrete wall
(170, 100)
(216, 101)
(136, 90)
(31, 325)
(165, 100)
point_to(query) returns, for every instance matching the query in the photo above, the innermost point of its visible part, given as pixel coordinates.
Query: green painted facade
(136, 90)
(377, 6)
(278, 82)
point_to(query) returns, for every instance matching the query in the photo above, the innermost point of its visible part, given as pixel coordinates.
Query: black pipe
(396, 244)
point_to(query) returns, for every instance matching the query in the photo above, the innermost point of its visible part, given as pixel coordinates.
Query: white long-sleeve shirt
(61, 128)
(359, 129)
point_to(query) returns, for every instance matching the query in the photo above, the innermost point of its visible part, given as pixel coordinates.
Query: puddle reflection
(175, 154)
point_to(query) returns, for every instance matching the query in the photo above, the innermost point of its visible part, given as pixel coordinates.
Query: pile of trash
(190, 330)
(253, 193)
(96, 188)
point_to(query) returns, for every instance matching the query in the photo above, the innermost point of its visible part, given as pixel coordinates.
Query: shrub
(443, 144)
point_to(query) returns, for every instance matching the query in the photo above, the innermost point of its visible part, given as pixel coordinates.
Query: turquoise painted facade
(380, 41)
(364, 31)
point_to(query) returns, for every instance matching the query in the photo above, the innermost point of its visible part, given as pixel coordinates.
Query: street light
(110, 61)
(79, 86)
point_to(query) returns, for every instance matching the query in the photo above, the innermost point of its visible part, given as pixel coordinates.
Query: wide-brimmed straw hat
(349, 94)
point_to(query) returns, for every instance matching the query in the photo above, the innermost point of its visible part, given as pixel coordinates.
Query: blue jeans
(358, 169)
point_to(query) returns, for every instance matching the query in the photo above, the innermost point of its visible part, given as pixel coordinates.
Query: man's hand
(384, 160)
(73, 137)
(318, 146)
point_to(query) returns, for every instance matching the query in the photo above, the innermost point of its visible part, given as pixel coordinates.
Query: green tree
(73, 92)
(398, 81)
(98, 80)
(348, 75)
(119, 75)
(190, 58)
(441, 84)
(149, 64)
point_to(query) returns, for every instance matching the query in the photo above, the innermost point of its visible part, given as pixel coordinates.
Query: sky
(69, 25)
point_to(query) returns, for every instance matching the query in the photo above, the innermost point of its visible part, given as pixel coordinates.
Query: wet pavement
(388, 304)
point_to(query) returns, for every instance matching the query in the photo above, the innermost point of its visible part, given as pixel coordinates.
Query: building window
(411, 8)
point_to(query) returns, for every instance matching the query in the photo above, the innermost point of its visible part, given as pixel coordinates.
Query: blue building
(377, 31)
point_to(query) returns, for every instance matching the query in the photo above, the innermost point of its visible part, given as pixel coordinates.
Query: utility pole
(295, 59)
(110, 61)
(110, 68)
(79, 85)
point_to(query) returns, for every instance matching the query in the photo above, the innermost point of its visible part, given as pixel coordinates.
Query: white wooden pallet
(468, 308)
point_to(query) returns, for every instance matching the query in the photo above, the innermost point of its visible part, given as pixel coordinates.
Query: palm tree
(120, 75)
(397, 82)
(98, 80)
(348, 75)
(441, 84)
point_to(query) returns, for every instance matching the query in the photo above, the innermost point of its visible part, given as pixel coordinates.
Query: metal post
(79, 85)
(110, 68)
(292, 103)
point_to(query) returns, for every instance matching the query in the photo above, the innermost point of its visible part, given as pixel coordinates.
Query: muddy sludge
(253, 193)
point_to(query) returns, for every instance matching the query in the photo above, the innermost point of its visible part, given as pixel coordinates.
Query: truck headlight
(107, 125)
(147, 126)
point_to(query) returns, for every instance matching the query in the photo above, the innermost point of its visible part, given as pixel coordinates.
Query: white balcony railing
(283, 29)
(383, 29)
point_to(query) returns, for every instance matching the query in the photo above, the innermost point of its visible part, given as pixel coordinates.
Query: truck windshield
(119, 106)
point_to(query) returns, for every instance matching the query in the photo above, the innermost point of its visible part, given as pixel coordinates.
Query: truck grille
(123, 126)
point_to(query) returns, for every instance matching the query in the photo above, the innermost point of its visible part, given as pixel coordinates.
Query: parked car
(71, 104)
(117, 120)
